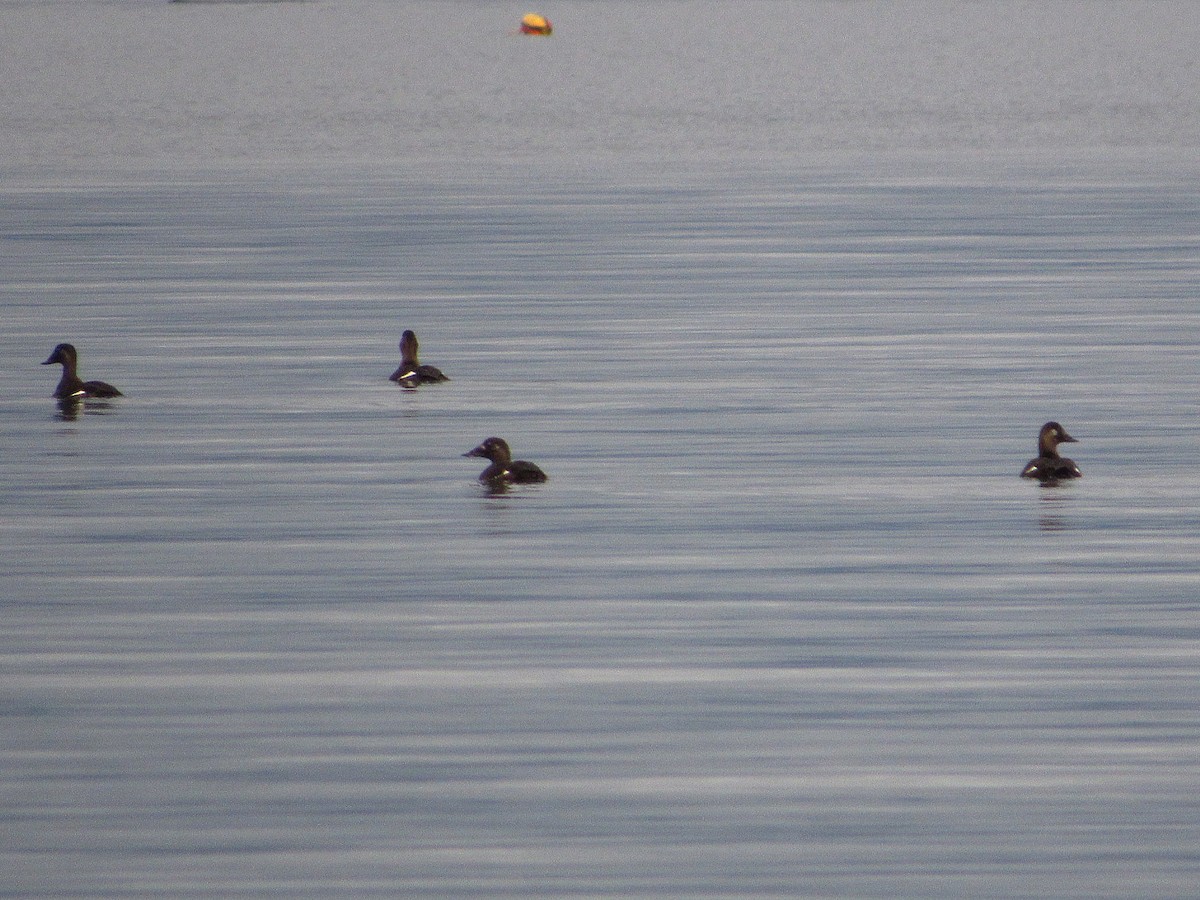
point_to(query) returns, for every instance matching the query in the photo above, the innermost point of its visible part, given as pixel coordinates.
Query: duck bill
(478, 451)
(52, 360)
(1065, 438)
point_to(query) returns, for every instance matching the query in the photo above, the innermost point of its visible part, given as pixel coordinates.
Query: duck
(505, 470)
(411, 373)
(1048, 466)
(71, 386)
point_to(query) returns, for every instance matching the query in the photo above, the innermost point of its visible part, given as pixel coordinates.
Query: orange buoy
(535, 23)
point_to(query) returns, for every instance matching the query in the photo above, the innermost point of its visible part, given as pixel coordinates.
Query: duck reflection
(1052, 504)
(70, 408)
(496, 488)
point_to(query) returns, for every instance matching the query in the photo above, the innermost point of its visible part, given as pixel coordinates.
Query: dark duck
(505, 470)
(411, 372)
(1048, 467)
(71, 386)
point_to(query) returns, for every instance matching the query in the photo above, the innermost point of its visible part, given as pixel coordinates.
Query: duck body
(1048, 467)
(411, 372)
(71, 385)
(505, 470)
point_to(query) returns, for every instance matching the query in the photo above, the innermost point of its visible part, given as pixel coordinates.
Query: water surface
(783, 621)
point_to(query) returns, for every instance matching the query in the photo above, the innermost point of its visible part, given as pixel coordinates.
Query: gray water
(784, 620)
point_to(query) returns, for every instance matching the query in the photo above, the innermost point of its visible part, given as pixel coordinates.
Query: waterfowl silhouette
(411, 372)
(505, 470)
(1048, 466)
(71, 385)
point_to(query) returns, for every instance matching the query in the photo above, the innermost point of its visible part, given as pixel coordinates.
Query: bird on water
(411, 371)
(1048, 467)
(71, 386)
(504, 470)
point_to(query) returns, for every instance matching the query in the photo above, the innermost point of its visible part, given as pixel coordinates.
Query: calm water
(784, 620)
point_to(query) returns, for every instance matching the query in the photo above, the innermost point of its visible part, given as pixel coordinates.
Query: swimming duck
(1049, 466)
(504, 469)
(411, 373)
(71, 385)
